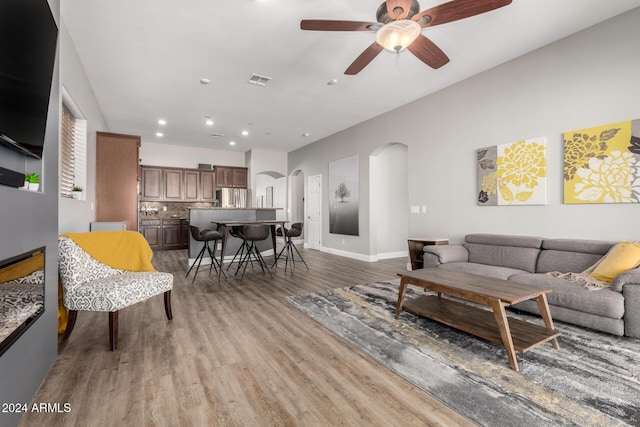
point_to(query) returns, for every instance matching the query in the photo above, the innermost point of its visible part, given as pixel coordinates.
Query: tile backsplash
(165, 210)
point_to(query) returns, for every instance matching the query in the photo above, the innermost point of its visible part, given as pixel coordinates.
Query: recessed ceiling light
(209, 122)
(232, 143)
(306, 134)
(205, 81)
(159, 134)
(162, 122)
(332, 82)
(245, 132)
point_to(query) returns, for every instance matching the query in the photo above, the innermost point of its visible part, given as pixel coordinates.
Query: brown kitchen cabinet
(165, 234)
(239, 177)
(151, 184)
(117, 164)
(171, 233)
(224, 176)
(229, 176)
(207, 186)
(161, 184)
(172, 179)
(151, 230)
(192, 185)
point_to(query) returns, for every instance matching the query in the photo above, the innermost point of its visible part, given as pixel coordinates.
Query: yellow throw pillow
(622, 257)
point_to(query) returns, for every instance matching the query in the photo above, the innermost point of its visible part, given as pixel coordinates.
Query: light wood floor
(235, 354)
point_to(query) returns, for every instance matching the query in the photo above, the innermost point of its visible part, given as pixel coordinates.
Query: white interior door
(313, 204)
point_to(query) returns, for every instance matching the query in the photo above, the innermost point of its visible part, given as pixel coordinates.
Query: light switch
(424, 209)
(415, 209)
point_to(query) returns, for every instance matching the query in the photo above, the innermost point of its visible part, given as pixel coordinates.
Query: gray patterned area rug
(593, 380)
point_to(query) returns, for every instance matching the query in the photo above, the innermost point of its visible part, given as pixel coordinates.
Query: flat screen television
(28, 35)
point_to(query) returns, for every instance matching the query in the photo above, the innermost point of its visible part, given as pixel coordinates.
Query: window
(73, 148)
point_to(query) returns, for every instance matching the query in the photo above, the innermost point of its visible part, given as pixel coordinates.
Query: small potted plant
(76, 192)
(33, 180)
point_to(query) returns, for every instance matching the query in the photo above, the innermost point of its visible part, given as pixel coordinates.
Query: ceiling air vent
(216, 135)
(259, 80)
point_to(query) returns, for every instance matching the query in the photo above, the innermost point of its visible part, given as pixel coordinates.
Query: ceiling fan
(399, 25)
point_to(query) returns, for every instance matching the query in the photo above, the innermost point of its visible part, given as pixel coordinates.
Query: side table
(416, 247)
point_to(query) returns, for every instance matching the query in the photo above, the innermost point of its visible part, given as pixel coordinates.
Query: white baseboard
(362, 257)
(347, 254)
(389, 255)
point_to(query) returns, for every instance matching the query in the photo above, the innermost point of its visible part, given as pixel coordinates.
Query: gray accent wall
(29, 220)
(587, 79)
(76, 215)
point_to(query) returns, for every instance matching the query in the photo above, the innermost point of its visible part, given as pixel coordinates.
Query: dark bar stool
(252, 234)
(236, 231)
(205, 236)
(289, 246)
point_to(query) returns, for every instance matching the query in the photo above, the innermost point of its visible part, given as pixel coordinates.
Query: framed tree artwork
(343, 197)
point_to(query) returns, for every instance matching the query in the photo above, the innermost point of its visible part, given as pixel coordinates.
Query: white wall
(154, 154)
(389, 200)
(585, 80)
(269, 168)
(295, 210)
(75, 215)
(261, 161)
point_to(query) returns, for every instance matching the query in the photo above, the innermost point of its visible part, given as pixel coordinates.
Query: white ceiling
(145, 58)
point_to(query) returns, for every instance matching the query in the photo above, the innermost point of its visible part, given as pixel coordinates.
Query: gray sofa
(523, 259)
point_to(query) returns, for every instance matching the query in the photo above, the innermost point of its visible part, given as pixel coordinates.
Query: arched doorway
(271, 192)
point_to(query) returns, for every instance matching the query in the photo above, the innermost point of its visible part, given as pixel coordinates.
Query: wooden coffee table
(514, 334)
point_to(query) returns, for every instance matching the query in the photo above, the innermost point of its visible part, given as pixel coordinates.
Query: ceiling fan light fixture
(397, 35)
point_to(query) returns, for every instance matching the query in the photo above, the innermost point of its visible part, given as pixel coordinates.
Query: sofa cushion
(570, 255)
(504, 256)
(581, 318)
(519, 252)
(504, 240)
(622, 257)
(482, 269)
(447, 253)
(605, 302)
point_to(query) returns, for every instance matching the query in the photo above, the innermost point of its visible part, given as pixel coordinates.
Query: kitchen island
(204, 218)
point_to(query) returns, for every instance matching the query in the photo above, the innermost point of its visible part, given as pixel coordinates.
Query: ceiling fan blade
(327, 25)
(427, 51)
(394, 6)
(364, 59)
(456, 10)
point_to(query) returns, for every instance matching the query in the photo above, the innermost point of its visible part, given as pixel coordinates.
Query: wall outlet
(164, 209)
(343, 241)
(424, 209)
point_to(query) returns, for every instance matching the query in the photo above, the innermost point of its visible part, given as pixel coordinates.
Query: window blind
(67, 152)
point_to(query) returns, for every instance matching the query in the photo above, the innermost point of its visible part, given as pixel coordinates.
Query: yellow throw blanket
(124, 250)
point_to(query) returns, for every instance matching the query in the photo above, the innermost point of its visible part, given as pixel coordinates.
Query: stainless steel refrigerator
(233, 197)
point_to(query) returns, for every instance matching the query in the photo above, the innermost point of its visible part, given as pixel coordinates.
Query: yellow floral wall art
(602, 164)
(513, 174)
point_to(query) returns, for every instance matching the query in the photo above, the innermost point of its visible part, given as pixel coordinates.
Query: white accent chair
(89, 285)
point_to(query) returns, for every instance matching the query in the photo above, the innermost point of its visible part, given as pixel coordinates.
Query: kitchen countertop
(163, 217)
(237, 209)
